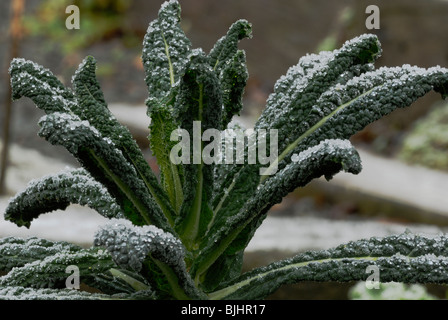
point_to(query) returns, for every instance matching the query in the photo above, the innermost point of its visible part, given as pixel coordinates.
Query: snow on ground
(294, 234)
(393, 180)
(76, 224)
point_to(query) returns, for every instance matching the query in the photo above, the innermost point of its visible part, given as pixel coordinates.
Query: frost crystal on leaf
(21, 293)
(57, 191)
(129, 245)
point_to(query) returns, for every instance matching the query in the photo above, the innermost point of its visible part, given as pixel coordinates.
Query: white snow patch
(76, 224)
(294, 234)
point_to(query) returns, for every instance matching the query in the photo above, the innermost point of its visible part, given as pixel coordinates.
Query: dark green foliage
(15, 252)
(405, 258)
(182, 235)
(58, 192)
(165, 51)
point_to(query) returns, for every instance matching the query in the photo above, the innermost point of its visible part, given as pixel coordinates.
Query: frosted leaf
(21, 293)
(57, 191)
(57, 126)
(16, 252)
(225, 49)
(233, 79)
(50, 270)
(165, 50)
(107, 164)
(303, 83)
(294, 97)
(93, 108)
(393, 255)
(129, 245)
(162, 125)
(40, 85)
(81, 122)
(326, 159)
(344, 110)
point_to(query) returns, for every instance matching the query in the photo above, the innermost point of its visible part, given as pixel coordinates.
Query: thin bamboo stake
(15, 33)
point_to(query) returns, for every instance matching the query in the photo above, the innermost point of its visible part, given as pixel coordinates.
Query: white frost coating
(79, 70)
(129, 244)
(37, 273)
(74, 184)
(72, 131)
(399, 74)
(164, 50)
(330, 145)
(27, 78)
(281, 103)
(167, 3)
(28, 249)
(35, 84)
(20, 62)
(21, 293)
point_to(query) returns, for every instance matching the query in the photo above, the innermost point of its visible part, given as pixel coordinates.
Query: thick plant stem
(176, 290)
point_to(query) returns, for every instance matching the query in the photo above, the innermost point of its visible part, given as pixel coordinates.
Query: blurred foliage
(333, 40)
(427, 143)
(390, 291)
(100, 20)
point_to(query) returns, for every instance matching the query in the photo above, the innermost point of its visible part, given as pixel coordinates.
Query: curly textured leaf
(41, 263)
(31, 80)
(197, 108)
(140, 248)
(50, 272)
(229, 64)
(165, 50)
(327, 158)
(338, 112)
(16, 252)
(405, 258)
(106, 164)
(225, 49)
(93, 108)
(346, 109)
(199, 97)
(296, 92)
(57, 191)
(293, 98)
(90, 98)
(22, 293)
(233, 80)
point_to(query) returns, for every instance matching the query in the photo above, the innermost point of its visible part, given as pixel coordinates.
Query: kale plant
(182, 235)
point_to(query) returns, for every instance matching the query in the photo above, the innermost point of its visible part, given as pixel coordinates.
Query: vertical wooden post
(15, 34)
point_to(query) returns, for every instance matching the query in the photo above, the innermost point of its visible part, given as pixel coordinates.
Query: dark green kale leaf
(407, 258)
(57, 192)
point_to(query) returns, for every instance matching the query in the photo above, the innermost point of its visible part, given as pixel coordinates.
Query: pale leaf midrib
(307, 133)
(229, 290)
